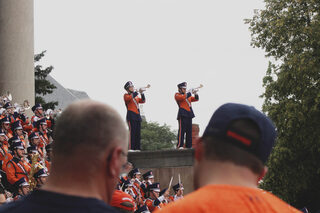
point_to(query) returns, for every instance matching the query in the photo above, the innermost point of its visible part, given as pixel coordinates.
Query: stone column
(17, 49)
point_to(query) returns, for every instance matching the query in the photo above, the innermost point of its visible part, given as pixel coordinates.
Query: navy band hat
(36, 106)
(182, 85)
(127, 85)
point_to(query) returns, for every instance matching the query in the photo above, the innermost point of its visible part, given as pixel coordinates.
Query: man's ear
(114, 163)
(263, 173)
(198, 154)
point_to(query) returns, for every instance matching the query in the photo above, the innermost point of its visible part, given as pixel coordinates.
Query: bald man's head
(88, 127)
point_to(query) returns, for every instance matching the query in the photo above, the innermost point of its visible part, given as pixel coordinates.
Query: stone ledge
(162, 158)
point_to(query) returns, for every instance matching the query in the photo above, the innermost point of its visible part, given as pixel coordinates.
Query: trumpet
(52, 113)
(195, 90)
(142, 89)
(6, 98)
(21, 108)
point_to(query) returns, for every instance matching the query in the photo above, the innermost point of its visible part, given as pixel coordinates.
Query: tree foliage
(156, 137)
(42, 85)
(289, 32)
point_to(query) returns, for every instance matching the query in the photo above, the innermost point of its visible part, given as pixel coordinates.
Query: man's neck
(227, 173)
(71, 185)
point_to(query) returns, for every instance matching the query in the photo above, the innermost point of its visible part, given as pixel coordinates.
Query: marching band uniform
(16, 168)
(155, 202)
(185, 115)
(10, 115)
(176, 189)
(5, 156)
(7, 130)
(132, 102)
(41, 173)
(17, 126)
(19, 188)
(147, 180)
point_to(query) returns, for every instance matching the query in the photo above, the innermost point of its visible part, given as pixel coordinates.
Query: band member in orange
(132, 101)
(185, 114)
(16, 168)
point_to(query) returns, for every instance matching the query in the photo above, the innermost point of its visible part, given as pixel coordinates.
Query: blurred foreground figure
(229, 162)
(89, 151)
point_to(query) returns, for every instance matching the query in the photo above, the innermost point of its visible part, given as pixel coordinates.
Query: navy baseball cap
(220, 126)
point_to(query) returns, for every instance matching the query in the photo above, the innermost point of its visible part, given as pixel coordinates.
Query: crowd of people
(25, 150)
(138, 192)
(89, 171)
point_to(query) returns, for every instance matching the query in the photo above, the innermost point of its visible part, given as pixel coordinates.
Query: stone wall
(166, 164)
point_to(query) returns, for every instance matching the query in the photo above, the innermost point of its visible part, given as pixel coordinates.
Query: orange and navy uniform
(12, 118)
(9, 133)
(153, 204)
(16, 169)
(137, 189)
(184, 103)
(44, 138)
(27, 126)
(132, 102)
(185, 115)
(5, 156)
(34, 120)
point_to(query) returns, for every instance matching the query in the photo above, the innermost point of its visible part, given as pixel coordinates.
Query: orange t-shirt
(228, 198)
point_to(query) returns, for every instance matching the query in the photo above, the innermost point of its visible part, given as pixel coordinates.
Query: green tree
(42, 85)
(289, 32)
(156, 137)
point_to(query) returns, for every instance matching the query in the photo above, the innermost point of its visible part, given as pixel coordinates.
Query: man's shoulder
(230, 198)
(16, 207)
(43, 201)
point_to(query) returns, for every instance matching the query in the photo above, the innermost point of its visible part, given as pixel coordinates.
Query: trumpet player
(185, 114)
(132, 101)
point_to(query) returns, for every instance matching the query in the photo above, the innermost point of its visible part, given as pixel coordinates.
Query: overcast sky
(97, 45)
